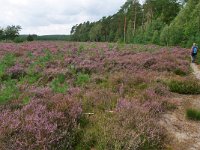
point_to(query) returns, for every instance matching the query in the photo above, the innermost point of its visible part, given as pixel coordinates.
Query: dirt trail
(183, 134)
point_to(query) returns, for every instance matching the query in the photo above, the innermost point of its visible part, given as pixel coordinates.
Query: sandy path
(183, 134)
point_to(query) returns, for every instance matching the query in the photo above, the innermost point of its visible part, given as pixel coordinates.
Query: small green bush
(184, 87)
(58, 85)
(81, 49)
(42, 60)
(30, 38)
(193, 114)
(198, 58)
(19, 40)
(180, 72)
(7, 61)
(30, 78)
(82, 79)
(26, 100)
(8, 91)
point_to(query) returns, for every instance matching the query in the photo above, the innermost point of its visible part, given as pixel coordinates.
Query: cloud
(54, 16)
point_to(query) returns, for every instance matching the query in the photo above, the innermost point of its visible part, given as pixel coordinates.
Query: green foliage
(2, 35)
(11, 32)
(180, 72)
(144, 24)
(7, 61)
(8, 91)
(46, 58)
(52, 37)
(81, 49)
(82, 79)
(30, 55)
(58, 85)
(185, 28)
(193, 114)
(19, 40)
(30, 38)
(26, 100)
(165, 36)
(42, 60)
(153, 30)
(184, 87)
(95, 32)
(198, 58)
(31, 78)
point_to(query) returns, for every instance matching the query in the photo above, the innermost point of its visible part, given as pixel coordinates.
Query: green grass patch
(59, 85)
(184, 87)
(193, 114)
(180, 72)
(198, 58)
(26, 100)
(7, 61)
(82, 79)
(8, 91)
(30, 78)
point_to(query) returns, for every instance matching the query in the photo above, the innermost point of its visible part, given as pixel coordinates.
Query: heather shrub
(189, 86)
(193, 114)
(16, 71)
(116, 85)
(127, 84)
(133, 128)
(47, 57)
(39, 127)
(101, 99)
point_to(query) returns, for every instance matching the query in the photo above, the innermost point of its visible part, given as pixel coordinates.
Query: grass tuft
(184, 87)
(193, 114)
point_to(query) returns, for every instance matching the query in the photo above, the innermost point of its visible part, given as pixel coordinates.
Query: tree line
(163, 22)
(10, 32)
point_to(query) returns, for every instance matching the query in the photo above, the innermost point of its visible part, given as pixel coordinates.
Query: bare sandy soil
(183, 134)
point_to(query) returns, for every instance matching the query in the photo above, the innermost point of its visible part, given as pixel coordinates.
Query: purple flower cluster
(35, 126)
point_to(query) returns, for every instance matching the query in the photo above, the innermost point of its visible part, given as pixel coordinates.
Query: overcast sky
(54, 16)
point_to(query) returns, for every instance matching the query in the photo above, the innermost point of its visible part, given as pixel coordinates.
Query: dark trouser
(193, 57)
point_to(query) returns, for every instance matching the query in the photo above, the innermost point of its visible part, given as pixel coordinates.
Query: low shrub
(31, 78)
(39, 126)
(58, 85)
(19, 40)
(7, 61)
(198, 58)
(8, 91)
(184, 86)
(82, 79)
(193, 114)
(133, 128)
(180, 72)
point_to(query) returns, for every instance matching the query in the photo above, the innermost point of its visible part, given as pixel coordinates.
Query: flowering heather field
(59, 95)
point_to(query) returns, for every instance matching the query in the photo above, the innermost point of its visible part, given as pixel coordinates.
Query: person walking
(194, 51)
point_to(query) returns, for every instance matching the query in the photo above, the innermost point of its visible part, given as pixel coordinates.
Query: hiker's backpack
(194, 50)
